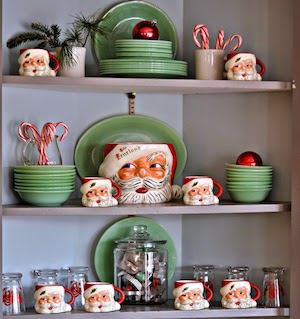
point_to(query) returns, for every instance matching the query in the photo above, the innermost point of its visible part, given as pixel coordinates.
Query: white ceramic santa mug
(198, 190)
(144, 171)
(242, 66)
(51, 299)
(236, 293)
(188, 295)
(36, 62)
(99, 297)
(99, 192)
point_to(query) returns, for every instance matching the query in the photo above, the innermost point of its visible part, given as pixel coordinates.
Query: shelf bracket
(131, 105)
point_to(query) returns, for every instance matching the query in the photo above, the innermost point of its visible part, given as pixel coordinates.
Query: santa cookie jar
(144, 171)
(242, 66)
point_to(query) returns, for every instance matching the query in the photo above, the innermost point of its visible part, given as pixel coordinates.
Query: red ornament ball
(146, 30)
(249, 159)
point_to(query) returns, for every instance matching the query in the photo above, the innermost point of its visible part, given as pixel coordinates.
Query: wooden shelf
(125, 85)
(74, 208)
(166, 311)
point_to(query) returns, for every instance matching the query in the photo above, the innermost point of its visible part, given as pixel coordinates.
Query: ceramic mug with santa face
(36, 62)
(236, 293)
(242, 66)
(100, 297)
(198, 190)
(144, 171)
(51, 299)
(99, 192)
(188, 295)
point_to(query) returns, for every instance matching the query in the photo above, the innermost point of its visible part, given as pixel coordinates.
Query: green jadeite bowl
(249, 196)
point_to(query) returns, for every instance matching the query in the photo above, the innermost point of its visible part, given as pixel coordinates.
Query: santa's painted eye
(129, 165)
(103, 191)
(156, 165)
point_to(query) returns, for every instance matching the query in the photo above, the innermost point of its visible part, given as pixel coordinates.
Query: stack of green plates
(159, 68)
(145, 49)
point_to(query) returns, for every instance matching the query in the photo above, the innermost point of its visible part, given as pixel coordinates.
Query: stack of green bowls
(248, 184)
(45, 185)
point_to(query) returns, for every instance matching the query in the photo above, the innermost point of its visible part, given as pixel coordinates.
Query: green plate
(104, 259)
(121, 20)
(88, 154)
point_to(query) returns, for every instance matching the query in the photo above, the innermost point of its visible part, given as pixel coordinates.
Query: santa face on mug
(143, 175)
(100, 301)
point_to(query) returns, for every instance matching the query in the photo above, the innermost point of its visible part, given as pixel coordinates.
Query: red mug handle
(56, 62)
(256, 290)
(71, 294)
(262, 66)
(122, 295)
(219, 187)
(119, 193)
(210, 293)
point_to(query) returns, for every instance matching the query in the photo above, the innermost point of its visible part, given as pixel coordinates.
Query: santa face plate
(144, 171)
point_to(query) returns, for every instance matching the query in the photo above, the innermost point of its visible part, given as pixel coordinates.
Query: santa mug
(236, 293)
(100, 297)
(36, 62)
(188, 295)
(144, 171)
(99, 192)
(198, 191)
(51, 299)
(242, 66)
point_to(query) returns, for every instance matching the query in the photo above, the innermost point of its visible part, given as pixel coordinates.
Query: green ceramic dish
(121, 20)
(88, 154)
(246, 167)
(249, 196)
(103, 258)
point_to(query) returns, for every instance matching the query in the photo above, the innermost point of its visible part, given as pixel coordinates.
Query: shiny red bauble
(249, 159)
(146, 30)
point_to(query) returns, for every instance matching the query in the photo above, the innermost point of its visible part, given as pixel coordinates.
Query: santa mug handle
(51, 57)
(258, 62)
(209, 291)
(118, 188)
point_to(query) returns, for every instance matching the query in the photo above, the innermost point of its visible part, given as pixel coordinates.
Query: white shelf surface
(126, 85)
(74, 208)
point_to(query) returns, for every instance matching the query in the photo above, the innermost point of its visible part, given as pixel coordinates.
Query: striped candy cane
(202, 29)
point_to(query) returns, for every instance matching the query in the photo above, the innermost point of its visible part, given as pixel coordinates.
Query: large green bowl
(38, 198)
(249, 196)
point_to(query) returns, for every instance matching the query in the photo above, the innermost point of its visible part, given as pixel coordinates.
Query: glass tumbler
(77, 277)
(205, 274)
(238, 272)
(12, 291)
(273, 287)
(45, 276)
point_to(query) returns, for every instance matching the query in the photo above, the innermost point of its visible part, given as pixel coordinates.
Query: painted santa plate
(104, 253)
(88, 154)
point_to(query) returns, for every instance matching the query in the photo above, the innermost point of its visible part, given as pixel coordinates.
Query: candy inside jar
(140, 267)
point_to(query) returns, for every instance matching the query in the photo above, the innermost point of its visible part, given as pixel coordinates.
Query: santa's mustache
(137, 182)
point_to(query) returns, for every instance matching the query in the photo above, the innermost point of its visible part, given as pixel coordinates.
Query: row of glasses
(273, 282)
(13, 298)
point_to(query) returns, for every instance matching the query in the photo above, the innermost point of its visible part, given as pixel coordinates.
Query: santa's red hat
(117, 155)
(237, 58)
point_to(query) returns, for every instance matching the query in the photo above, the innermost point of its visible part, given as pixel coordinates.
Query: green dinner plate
(121, 20)
(88, 154)
(104, 259)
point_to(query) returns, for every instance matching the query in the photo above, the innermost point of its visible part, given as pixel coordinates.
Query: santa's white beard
(102, 306)
(238, 303)
(191, 304)
(243, 75)
(200, 199)
(52, 307)
(158, 191)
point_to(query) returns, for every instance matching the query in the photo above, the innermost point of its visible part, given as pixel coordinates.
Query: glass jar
(45, 276)
(77, 277)
(12, 294)
(238, 272)
(205, 274)
(140, 268)
(273, 287)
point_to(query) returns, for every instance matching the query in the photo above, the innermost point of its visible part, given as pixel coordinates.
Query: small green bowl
(45, 199)
(249, 196)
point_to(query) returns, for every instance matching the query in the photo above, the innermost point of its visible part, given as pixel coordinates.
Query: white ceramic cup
(209, 64)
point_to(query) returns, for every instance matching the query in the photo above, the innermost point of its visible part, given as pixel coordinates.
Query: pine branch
(23, 38)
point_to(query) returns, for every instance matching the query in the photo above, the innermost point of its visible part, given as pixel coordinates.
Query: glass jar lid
(140, 238)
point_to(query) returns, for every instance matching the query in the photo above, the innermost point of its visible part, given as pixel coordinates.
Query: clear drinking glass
(273, 287)
(77, 277)
(12, 290)
(46, 276)
(205, 274)
(238, 272)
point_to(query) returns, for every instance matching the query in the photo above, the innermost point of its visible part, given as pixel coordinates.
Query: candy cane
(219, 40)
(202, 29)
(65, 127)
(239, 42)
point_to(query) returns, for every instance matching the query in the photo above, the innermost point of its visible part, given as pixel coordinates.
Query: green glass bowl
(248, 167)
(249, 184)
(45, 199)
(249, 196)
(249, 178)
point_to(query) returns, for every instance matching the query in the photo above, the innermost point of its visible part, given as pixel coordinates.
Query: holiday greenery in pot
(50, 37)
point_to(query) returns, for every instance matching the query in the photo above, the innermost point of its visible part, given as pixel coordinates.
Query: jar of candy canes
(140, 267)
